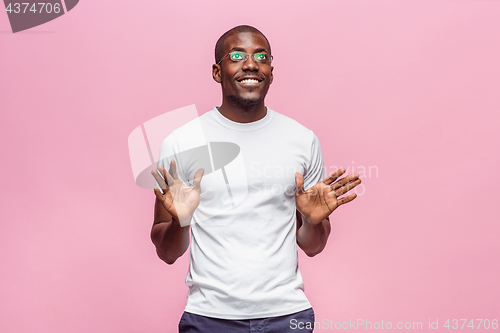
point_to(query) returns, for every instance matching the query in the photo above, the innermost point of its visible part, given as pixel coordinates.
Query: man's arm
(174, 208)
(312, 238)
(315, 205)
(171, 240)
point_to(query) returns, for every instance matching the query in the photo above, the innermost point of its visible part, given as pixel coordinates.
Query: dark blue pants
(299, 322)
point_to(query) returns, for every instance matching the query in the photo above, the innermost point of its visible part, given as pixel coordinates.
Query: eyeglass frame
(248, 56)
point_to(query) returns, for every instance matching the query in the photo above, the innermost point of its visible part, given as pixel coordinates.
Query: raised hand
(318, 202)
(179, 200)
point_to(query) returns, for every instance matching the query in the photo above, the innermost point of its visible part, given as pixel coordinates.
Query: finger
(330, 179)
(167, 202)
(197, 179)
(173, 169)
(299, 182)
(347, 188)
(345, 180)
(347, 199)
(160, 180)
(157, 192)
(166, 175)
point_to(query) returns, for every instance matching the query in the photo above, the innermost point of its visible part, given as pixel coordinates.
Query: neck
(243, 114)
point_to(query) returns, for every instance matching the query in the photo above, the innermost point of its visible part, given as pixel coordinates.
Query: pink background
(410, 88)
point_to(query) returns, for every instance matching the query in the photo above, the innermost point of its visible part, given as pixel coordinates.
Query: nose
(250, 64)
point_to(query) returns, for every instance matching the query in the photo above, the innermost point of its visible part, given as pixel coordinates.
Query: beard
(244, 103)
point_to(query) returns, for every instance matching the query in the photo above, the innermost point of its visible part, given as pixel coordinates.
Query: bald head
(220, 45)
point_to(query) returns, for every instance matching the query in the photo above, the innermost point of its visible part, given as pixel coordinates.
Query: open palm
(318, 202)
(179, 200)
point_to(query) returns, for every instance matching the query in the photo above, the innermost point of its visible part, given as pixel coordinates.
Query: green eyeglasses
(243, 56)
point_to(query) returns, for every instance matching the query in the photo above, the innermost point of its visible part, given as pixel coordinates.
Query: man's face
(245, 83)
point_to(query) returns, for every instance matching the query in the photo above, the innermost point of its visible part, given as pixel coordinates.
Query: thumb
(299, 181)
(197, 179)
(157, 192)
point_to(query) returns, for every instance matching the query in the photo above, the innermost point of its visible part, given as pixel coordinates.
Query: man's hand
(318, 202)
(178, 199)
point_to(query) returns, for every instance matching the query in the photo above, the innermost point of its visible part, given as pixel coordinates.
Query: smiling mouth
(249, 82)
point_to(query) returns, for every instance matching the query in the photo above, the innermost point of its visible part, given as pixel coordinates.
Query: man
(243, 274)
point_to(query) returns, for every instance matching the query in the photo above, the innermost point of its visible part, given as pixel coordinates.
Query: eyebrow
(243, 50)
(260, 50)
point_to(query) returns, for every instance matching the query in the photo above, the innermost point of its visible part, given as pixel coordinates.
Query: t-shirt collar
(215, 113)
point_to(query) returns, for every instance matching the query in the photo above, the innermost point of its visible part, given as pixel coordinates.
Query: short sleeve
(315, 170)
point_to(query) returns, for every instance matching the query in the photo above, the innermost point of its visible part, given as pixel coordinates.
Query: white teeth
(249, 81)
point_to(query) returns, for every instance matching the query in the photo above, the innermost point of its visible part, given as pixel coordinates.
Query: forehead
(246, 41)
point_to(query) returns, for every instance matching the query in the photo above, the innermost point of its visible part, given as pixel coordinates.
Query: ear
(272, 77)
(216, 74)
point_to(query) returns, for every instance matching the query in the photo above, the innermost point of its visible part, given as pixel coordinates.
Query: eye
(236, 56)
(261, 57)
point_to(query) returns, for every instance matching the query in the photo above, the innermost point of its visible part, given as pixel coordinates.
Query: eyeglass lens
(242, 56)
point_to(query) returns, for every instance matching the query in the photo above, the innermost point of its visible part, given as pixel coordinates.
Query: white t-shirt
(243, 256)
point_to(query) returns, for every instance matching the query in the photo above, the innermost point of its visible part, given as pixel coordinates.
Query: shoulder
(188, 135)
(192, 127)
(293, 127)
